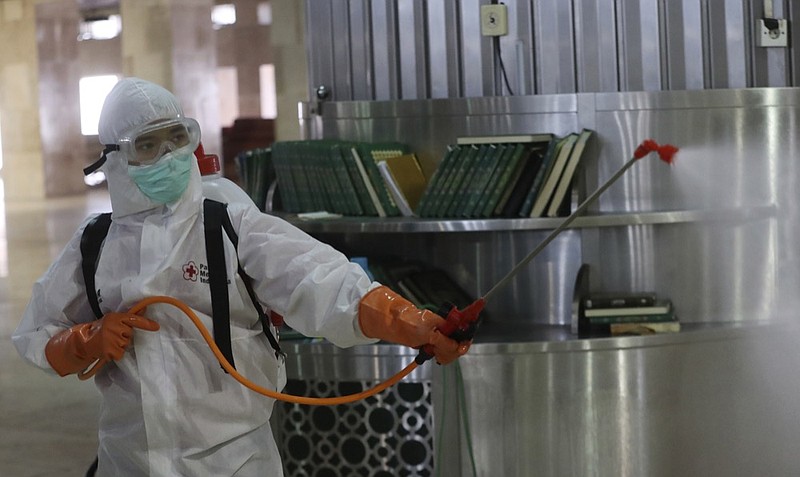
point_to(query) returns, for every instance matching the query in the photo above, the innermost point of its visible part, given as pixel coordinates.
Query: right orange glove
(385, 315)
(75, 348)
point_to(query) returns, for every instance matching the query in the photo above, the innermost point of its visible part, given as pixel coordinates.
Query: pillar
(291, 65)
(171, 43)
(19, 103)
(63, 146)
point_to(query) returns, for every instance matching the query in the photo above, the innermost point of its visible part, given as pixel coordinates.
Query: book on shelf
(343, 150)
(527, 176)
(408, 174)
(644, 328)
(349, 195)
(504, 139)
(492, 191)
(552, 175)
(619, 299)
(370, 154)
(564, 182)
(639, 318)
(394, 190)
(468, 183)
(434, 184)
(660, 307)
(509, 178)
(553, 148)
(433, 288)
(368, 183)
(454, 180)
(483, 176)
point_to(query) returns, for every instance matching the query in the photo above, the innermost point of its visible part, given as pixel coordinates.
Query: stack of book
(616, 314)
(257, 174)
(347, 178)
(527, 175)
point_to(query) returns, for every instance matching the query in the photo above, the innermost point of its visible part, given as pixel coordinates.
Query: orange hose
(332, 401)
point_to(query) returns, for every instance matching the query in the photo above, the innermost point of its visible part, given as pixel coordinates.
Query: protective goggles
(146, 144)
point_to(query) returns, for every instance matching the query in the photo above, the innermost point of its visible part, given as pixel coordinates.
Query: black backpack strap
(91, 242)
(248, 284)
(213, 213)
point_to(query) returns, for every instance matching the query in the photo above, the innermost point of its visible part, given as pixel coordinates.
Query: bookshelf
(418, 225)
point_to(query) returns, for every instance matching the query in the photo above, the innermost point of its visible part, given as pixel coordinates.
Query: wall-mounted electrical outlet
(494, 20)
(772, 32)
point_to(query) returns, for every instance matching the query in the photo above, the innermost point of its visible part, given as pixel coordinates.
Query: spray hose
(331, 401)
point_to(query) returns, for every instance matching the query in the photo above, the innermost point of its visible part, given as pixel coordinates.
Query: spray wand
(461, 325)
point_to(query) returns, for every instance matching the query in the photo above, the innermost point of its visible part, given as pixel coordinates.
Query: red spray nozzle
(459, 325)
(666, 152)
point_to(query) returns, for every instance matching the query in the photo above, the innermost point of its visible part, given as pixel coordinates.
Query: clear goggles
(146, 144)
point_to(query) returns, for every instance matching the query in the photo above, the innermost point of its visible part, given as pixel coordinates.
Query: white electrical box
(494, 20)
(772, 33)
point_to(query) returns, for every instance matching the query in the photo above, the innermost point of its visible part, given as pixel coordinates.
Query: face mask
(164, 181)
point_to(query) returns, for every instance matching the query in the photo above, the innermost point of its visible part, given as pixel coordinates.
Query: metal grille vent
(384, 436)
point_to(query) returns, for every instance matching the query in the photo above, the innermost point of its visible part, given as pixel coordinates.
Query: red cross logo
(190, 272)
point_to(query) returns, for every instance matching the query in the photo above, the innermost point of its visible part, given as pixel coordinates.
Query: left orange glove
(385, 315)
(75, 348)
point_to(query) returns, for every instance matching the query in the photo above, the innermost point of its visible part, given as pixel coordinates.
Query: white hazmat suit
(168, 409)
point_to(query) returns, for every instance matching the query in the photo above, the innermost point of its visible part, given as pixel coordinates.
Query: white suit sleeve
(315, 287)
(58, 301)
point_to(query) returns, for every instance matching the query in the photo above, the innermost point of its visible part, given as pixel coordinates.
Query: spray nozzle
(666, 152)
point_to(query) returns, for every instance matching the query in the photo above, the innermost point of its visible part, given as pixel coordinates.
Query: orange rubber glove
(74, 349)
(385, 315)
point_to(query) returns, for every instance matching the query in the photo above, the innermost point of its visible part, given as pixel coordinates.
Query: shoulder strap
(91, 242)
(213, 212)
(248, 284)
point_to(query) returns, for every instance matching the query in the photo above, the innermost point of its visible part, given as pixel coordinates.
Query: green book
(563, 187)
(369, 184)
(526, 177)
(507, 182)
(371, 154)
(455, 178)
(364, 199)
(653, 318)
(491, 184)
(434, 185)
(483, 174)
(345, 186)
(468, 185)
(552, 175)
(286, 186)
(549, 156)
(440, 193)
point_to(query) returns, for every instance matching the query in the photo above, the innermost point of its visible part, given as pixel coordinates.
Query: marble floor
(47, 424)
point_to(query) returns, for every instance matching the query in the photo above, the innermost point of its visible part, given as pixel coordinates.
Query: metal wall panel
(736, 166)
(385, 56)
(444, 49)
(413, 60)
(596, 46)
(420, 49)
(361, 50)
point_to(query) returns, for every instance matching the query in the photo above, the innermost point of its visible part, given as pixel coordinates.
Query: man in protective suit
(168, 409)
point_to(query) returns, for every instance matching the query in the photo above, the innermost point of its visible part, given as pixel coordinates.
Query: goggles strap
(99, 163)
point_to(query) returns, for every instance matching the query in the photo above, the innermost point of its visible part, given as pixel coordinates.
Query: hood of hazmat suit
(168, 406)
(131, 104)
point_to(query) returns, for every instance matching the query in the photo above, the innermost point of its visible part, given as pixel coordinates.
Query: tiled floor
(47, 424)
